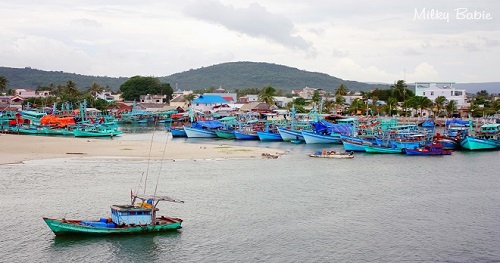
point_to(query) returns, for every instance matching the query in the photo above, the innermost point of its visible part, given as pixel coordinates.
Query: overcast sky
(369, 41)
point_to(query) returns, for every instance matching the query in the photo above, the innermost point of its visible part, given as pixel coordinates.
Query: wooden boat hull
(352, 144)
(72, 227)
(177, 132)
(288, 135)
(199, 133)
(448, 143)
(378, 149)
(334, 156)
(245, 136)
(269, 136)
(225, 134)
(471, 143)
(82, 133)
(423, 153)
(314, 138)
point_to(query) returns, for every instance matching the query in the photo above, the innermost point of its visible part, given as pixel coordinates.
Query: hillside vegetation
(239, 75)
(231, 76)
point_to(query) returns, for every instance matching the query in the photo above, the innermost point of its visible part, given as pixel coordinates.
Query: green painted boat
(381, 149)
(75, 227)
(95, 131)
(137, 218)
(225, 134)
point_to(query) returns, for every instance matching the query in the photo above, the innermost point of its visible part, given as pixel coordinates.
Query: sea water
(373, 208)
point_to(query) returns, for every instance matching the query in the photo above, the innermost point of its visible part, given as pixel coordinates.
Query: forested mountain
(231, 76)
(240, 75)
(32, 78)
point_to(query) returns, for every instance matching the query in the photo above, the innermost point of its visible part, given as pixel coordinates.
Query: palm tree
(316, 98)
(3, 83)
(422, 103)
(339, 102)
(328, 105)
(399, 89)
(439, 102)
(190, 97)
(392, 102)
(341, 90)
(70, 89)
(267, 95)
(451, 107)
(357, 105)
(94, 89)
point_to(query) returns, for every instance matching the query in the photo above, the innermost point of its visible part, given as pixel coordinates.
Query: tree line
(398, 99)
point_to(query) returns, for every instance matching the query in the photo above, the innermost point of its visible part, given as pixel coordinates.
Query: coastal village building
(28, 93)
(154, 107)
(179, 101)
(432, 90)
(206, 103)
(282, 101)
(260, 107)
(155, 99)
(307, 93)
(229, 97)
(350, 98)
(107, 96)
(249, 98)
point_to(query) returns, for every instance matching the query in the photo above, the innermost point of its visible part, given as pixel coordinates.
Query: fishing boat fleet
(356, 134)
(62, 122)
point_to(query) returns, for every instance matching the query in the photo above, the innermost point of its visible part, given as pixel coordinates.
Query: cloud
(423, 72)
(86, 23)
(254, 21)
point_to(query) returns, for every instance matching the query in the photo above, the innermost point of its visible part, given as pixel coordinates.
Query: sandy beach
(19, 148)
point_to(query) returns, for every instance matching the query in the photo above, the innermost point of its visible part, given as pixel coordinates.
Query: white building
(432, 90)
(28, 93)
(105, 95)
(158, 99)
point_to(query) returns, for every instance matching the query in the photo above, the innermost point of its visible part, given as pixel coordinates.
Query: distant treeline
(230, 76)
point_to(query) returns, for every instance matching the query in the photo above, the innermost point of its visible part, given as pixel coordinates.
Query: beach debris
(270, 156)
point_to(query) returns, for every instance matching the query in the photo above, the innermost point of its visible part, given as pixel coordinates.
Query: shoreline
(19, 148)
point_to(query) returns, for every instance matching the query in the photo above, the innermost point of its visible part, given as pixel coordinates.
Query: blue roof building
(207, 102)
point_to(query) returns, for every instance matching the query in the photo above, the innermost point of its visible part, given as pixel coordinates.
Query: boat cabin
(131, 215)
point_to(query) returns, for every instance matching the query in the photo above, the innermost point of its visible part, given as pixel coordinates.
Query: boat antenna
(149, 159)
(139, 183)
(161, 163)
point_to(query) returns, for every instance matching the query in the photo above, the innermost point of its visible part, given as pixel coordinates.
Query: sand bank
(18, 148)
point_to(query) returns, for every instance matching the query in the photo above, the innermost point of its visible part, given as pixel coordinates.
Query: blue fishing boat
(240, 135)
(270, 133)
(355, 144)
(311, 137)
(269, 136)
(177, 131)
(203, 129)
(288, 135)
(488, 138)
(448, 142)
(428, 149)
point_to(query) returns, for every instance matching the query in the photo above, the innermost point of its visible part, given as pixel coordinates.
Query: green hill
(32, 78)
(231, 76)
(239, 75)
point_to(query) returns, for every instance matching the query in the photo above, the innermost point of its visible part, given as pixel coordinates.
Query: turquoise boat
(381, 149)
(92, 130)
(137, 218)
(488, 138)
